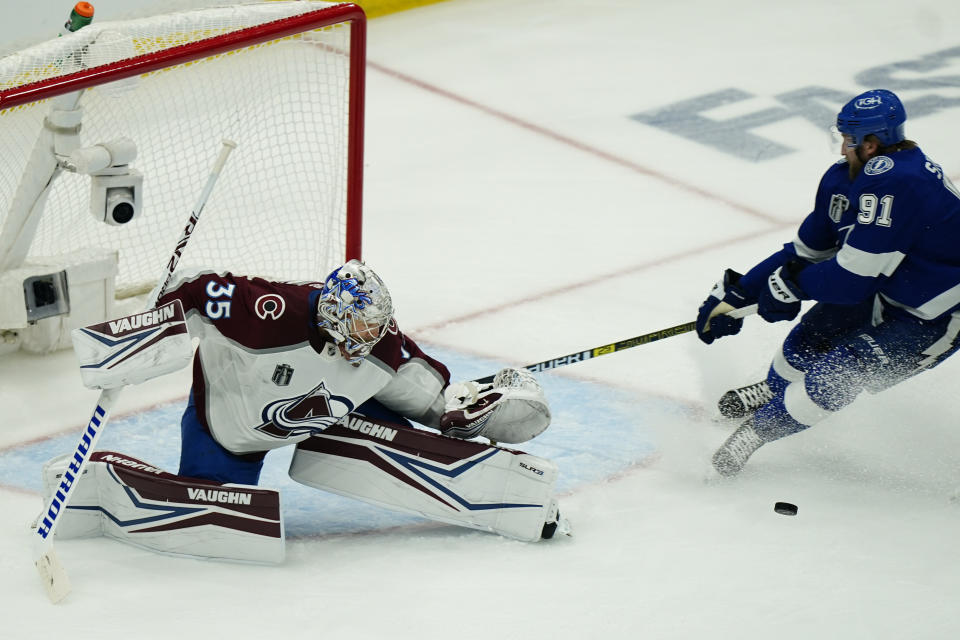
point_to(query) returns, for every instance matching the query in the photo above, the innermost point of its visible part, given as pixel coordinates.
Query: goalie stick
(52, 573)
(613, 347)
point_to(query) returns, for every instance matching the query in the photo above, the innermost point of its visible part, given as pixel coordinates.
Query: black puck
(785, 508)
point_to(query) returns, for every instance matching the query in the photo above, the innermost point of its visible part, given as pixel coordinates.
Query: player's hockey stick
(613, 347)
(54, 576)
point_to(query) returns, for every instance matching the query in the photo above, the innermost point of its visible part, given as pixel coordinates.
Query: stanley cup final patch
(282, 374)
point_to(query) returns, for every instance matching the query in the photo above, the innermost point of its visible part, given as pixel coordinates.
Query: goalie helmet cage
(285, 80)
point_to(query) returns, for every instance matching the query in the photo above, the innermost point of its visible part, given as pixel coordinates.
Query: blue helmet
(877, 111)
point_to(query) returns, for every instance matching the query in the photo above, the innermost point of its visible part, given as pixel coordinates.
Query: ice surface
(543, 177)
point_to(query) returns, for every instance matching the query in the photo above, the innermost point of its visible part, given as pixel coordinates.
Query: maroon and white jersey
(264, 375)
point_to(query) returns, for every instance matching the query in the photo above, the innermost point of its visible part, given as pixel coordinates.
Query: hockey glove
(711, 322)
(780, 300)
(513, 409)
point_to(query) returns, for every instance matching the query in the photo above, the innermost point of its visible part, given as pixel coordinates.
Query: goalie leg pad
(75, 523)
(131, 501)
(469, 484)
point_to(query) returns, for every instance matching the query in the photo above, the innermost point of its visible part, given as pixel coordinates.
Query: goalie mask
(354, 308)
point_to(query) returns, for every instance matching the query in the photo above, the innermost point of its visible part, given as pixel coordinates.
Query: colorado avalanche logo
(269, 305)
(878, 165)
(392, 327)
(310, 413)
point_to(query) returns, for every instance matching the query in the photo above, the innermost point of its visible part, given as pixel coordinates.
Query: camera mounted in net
(115, 187)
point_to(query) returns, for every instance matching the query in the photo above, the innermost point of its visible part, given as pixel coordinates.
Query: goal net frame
(14, 322)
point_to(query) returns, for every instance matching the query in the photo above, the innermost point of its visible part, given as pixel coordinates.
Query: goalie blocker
(134, 348)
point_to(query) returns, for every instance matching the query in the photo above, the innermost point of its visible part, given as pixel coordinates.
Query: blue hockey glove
(712, 324)
(780, 300)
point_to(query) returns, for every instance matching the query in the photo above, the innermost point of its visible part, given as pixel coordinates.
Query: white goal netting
(280, 208)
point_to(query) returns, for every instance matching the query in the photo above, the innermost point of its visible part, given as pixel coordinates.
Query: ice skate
(734, 453)
(744, 401)
(555, 524)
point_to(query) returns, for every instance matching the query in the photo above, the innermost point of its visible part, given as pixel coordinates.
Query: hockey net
(284, 80)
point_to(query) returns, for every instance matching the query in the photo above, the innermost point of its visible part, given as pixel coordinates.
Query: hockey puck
(785, 508)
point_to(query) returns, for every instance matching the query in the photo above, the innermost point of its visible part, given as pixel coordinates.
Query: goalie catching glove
(512, 409)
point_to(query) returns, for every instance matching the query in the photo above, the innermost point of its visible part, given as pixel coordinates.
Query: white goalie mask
(355, 309)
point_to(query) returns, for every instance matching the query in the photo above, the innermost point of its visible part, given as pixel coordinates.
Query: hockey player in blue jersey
(880, 255)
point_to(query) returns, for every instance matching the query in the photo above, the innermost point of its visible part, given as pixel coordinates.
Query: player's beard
(855, 165)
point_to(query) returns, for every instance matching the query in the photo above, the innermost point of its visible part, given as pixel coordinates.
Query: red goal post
(284, 80)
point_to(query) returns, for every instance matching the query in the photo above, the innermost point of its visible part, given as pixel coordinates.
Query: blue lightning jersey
(894, 230)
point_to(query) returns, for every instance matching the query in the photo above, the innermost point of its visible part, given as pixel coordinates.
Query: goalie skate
(555, 524)
(744, 401)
